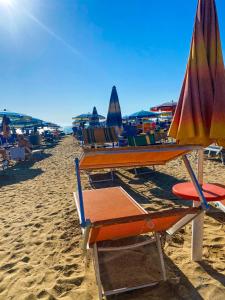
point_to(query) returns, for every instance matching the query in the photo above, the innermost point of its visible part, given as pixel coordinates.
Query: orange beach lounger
(110, 214)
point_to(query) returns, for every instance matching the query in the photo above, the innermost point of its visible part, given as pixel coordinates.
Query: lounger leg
(86, 238)
(97, 272)
(112, 174)
(159, 247)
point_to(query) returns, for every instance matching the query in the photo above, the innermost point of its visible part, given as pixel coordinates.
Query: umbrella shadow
(163, 186)
(212, 272)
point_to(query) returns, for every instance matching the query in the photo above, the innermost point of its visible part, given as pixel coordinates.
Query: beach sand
(40, 253)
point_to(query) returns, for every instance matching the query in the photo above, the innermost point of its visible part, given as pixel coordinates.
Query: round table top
(187, 191)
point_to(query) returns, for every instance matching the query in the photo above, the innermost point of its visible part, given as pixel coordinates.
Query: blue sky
(59, 58)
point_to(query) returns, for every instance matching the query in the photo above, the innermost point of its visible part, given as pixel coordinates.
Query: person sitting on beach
(22, 142)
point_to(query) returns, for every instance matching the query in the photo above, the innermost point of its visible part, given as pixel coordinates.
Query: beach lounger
(216, 150)
(125, 157)
(111, 214)
(101, 136)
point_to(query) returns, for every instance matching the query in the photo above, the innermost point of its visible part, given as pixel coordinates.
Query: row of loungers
(110, 214)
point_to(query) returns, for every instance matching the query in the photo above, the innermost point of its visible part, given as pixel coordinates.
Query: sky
(59, 58)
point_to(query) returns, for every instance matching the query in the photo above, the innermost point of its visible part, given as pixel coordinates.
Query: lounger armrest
(146, 217)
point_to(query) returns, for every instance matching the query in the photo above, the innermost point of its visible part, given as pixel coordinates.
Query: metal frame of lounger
(192, 213)
(87, 226)
(220, 205)
(126, 151)
(217, 150)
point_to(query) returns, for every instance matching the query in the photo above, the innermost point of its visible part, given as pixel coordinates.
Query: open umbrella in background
(94, 120)
(27, 123)
(165, 107)
(143, 114)
(200, 114)
(114, 117)
(13, 115)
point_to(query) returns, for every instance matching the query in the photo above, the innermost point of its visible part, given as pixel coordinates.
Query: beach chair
(4, 159)
(111, 214)
(141, 140)
(216, 150)
(99, 137)
(126, 157)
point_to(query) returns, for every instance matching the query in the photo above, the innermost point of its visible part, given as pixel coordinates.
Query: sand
(40, 253)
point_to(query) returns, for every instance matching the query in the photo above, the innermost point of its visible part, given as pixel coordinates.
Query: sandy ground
(40, 254)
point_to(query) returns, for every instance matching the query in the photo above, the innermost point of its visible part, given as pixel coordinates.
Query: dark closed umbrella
(94, 120)
(114, 117)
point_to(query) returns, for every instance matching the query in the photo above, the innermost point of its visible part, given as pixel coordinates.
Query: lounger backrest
(153, 222)
(99, 135)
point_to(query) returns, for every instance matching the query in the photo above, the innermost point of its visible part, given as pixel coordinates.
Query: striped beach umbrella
(114, 117)
(94, 120)
(200, 114)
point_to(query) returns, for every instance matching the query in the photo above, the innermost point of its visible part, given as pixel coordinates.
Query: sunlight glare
(6, 3)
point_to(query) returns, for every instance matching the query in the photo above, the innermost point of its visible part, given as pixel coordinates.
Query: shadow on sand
(161, 187)
(178, 287)
(212, 272)
(21, 171)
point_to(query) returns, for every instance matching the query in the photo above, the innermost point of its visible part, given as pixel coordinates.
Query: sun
(6, 3)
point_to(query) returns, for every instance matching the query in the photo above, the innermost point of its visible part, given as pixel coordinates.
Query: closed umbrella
(114, 117)
(200, 114)
(94, 120)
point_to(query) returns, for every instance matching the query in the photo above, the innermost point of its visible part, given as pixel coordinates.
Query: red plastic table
(187, 191)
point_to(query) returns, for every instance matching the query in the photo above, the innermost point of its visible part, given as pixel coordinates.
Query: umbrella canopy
(143, 114)
(200, 114)
(83, 117)
(86, 117)
(13, 115)
(167, 107)
(50, 125)
(114, 117)
(27, 123)
(94, 120)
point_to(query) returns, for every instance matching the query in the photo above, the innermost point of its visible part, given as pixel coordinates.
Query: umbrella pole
(197, 223)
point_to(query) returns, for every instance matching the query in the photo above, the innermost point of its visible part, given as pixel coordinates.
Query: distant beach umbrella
(114, 117)
(200, 112)
(29, 123)
(82, 117)
(13, 115)
(143, 114)
(94, 120)
(86, 117)
(165, 107)
(50, 125)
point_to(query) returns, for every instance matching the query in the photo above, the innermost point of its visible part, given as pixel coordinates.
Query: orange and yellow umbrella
(200, 114)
